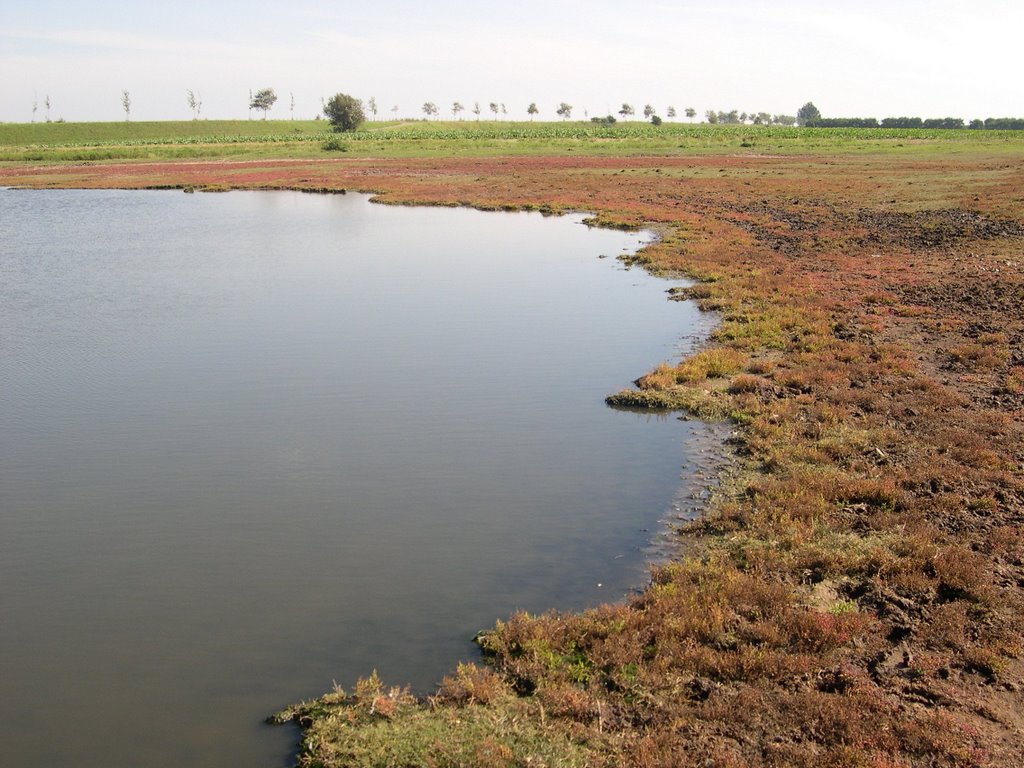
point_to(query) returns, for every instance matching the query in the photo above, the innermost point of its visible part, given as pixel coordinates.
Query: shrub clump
(334, 144)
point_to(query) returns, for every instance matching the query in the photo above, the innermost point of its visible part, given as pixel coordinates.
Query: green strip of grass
(75, 142)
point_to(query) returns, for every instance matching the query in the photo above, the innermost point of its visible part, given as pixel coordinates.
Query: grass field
(852, 596)
(240, 139)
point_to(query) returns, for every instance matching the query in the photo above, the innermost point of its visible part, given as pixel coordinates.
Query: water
(254, 443)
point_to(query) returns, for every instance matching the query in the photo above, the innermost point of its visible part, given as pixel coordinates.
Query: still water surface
(254, 443)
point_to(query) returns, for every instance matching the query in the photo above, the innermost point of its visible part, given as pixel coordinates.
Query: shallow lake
(257, 442)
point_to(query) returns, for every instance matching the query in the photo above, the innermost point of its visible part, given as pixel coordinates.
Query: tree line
(263, 100)
(808, 115)
(735, 117)
(888, 122)
(989, 124)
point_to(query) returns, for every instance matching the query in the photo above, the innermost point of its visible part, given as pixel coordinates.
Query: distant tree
(504, 112)
(494, 109)
(456, 108)
(655, 120)
(975, 124)
(263, 100)
(564, 110)
(35, 106)
(530, 110)
(126, 105)
(648, 111)
(949, 123)
(743, 117)
(712, 116)
(476, 109)
(671, 112)
(195, 102)
(291, 107)
(394, 111)
(46, 103)
(691, 113)
(784, 120)
(807, 113)
(250, 103)
(762, 118)
(626, 111)
(608, 120)
(429, 109)
(371, 103)
(345, 112)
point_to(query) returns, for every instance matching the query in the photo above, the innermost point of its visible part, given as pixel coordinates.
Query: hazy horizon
(922, 59)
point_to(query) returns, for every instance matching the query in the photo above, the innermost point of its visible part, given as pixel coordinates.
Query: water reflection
(252, 443)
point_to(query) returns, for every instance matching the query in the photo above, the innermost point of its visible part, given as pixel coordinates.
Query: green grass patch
(374, 727)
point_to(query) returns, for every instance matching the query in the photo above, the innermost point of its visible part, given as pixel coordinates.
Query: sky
(867, 58)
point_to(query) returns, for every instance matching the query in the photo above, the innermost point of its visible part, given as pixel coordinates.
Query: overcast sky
(866, 58)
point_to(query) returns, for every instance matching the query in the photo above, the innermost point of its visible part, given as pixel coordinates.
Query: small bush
(960, 572)
(1015, 381)
(975, 356)
(661, 377)
(710, 364)
(471, 684)
(761, 367)
(334, 144)
(1006, 540)
(745, 383)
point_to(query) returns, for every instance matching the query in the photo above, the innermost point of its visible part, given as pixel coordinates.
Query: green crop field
(70, 142)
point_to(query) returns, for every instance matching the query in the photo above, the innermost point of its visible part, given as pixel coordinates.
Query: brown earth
(855, 598)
